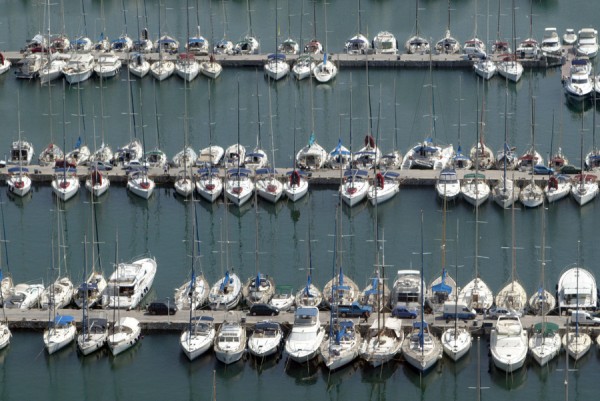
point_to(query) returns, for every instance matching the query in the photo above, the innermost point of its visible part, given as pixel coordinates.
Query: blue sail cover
(60, 320)
(311, 139)
(196, 40)
(257, 282)
(224, 282)
(306, 290)
(442, 286)
(374, 288)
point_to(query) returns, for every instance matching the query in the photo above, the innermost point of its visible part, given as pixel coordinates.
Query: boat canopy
(266, 171)
(196, 40)
(267, 326)
(239, 171)
(307, 311)
(353, 173)
(13, 170)
(276, 56)
(545, 328)
(62, 320)
(391, 174)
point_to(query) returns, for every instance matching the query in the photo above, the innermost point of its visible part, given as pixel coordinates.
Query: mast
(506, 150)
(84, 310)
(6, 258)
(456, 273)
(421, 331)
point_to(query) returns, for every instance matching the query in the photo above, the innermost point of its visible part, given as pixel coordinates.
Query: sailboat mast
(258, 122)
(456, 275)
(506, 150)
(271, 129)
(84, 316)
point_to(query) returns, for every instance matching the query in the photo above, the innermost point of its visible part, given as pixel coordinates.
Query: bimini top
(207, 171)
(276, 56)
(353, 173)
(61, 320)
(239, 171)
(196, 40)
(307, 312)
(14, 170)
(266, 171)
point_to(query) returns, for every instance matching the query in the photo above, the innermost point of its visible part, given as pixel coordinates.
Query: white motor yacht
(587, 42)
(283, 298)
(230, 342)
(129, 283)
(21, 153)
(265, 340)
(447, 185)
(577, 288)
(108, 65)
(24, 296)
(551, 42)
(579, 85)
(306, 336)
(358, 44)
(385, 43)
(407, 288)
(569, 37)
(508, 344)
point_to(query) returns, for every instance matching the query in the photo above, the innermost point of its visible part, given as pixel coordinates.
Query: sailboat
(5, 64)
(198, 44)
(198, 337)
(276, 67)
(476, 294)
(80, 153)
(103, 153)
(6, 286)
(532, 195)
(51, 153)
(574, 289)
(267, 185)
(248, 44)
(258, 289)
(510, 68)
(513, 296)
(484, 66)
(545, 342)
(226, 293)
(456, 341)
(184, 184)
(138, 181)
(163, 68)
(460, 161)
(296, 185)
(385, 336)
(55, 56)
(19, 182)
(156, 157)
(529, 48)
(342, 344)
(257, 159)
(312, 156)
(326, 70)
(186, 66)
(480, 151)
(475, 47)
(358, 44)
(505, 193)
(94, 331)
(416, 43)
(422, 349)
(393, 159)
(305, 64)
(223, 46)
(61, 332)
(193, 293)
(97, 183)
(448, 44)
(309, 295)
(592, 158)
(585, 186)
(65, 183)
(289, 45)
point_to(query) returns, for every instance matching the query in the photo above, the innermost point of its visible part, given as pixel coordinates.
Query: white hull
(508, 344)
(377, 195)
(124, 335)
(226, 296)
(98, 189)
(456, 344)
(141, 186)
(544, 348)
(65, 189)
(197, 342)
(556, 194)
(211, 70)
(269, 189)
(353, 194)
(277, 70)
(584, 193)
(184, 187)
(129, 283)
(423, 357)
(265, 340)
(5, 336)
(162, 70)
(57, 338)
(91, 342)
(77, 77)
(475, 193)
(230, 343)
(209, 189)
(476, 295)
(295, 192)
(577, 345)
(511, 70)
(19, 186)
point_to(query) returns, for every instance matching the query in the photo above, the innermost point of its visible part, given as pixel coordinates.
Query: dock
(343, 60)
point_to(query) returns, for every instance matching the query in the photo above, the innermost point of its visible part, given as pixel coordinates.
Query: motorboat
(61, 333)
(447, 185)
(427, 155)
(296, 185)
(234, 156)
(569, 37)
(312, 156)
(306, 336)
(545, 342)
(239, 186)
(187, 67)
(210, 156)
(140, 184)
(421, 349)
(385, 43)
(584, 188)
(383, 342)
(230, 341)
(407, 288)
(24, 296)
(283, 298)
(226, 293)
(265, 340)
(357, 44)
(21, 153)
(258, 289)
(267, 185)
(124, 335)
(129, 283)
(579, 85)
(91, 291)
(576, 289)
(303, 67)
(247, 45)
(198, 337)
(107, 65)
(78, 156)
(325, 71)
(138, 65)
(192, 294)
(508, 343)
(587, 42)
(124, 44)
(558, 187)
(211, 68)
(58, 294)
(276, 66)
(18, 181)
(551, 42)
(93, 337)
(29, 67)
(79, 68)
(341, 346)
(474, 189)
(208, 184)
(384, 187)
(354, 187)
(65, 183)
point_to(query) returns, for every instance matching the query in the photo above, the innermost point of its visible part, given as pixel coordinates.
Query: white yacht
(234, 156)
(239, 186)
(265, 340)
(508, 344)
(97, 182)
(61, 333)
(5, 335)
(18, 182)
(267, 185)
(4, 64)
(79, 68)
(93, 288)
(577, 288)
(312, 156)
(385, 43)
(65, 183)
(230, 341)
(447, 185)
(187, 67)
(123, 335)
(138, 65)
(210, 156)
(325, 71)
(355, 187)
(208, 184)
(192, 294)
(485, 68)
(384, 187)
(306, 337)
(21, 153)
(383, 342)
(24, 296)
(283, 298)
(427, 155)
(551, 42)
(510, 68)
(476, 295)
(303, 67)
(558, 187)
(108, 65)
(198, 337)
(211, 68)
(296, 186)
(587, 42)
(140, 184)
(532, 195)
(579, 85)
(93, 337)
(456, 341)
(129, 283)
(276, 66)
(474, 189)
(358, 44)
(569, 37)
(584, 188)
(226, 293)
(407, 288)
(545, 342)
(341, 346)
(162, 69)
(58, 294)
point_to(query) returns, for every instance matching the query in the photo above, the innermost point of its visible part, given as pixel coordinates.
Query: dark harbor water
(156, 369)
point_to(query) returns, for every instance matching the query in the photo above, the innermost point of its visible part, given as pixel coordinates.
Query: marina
(321, 185)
